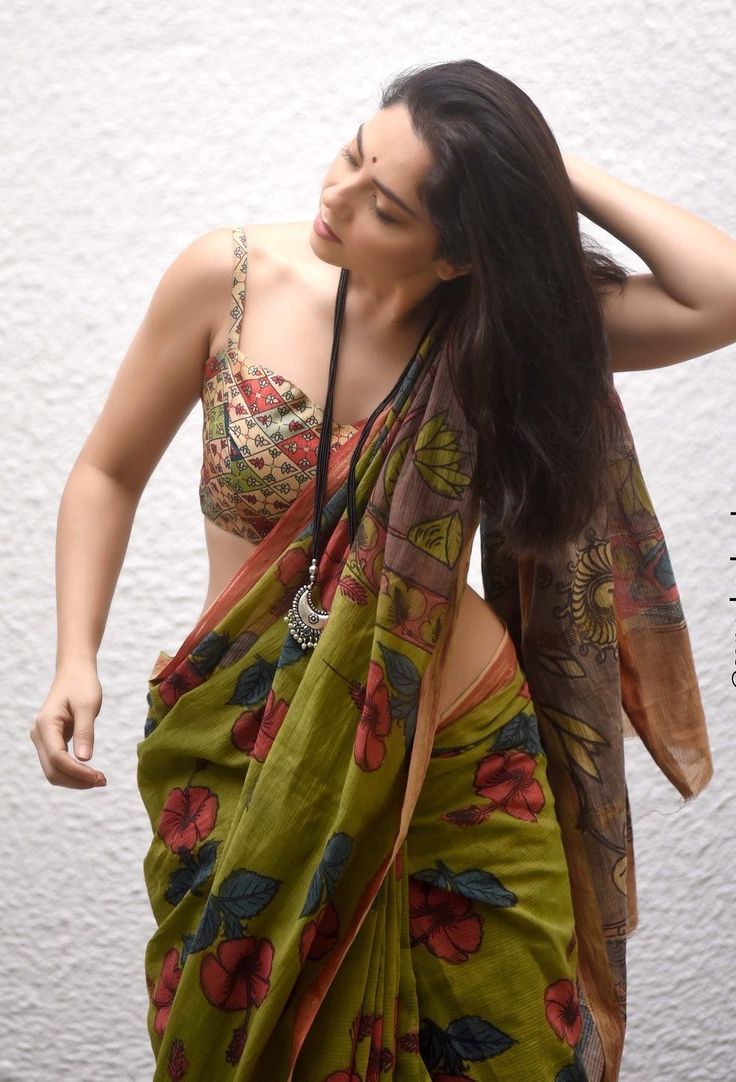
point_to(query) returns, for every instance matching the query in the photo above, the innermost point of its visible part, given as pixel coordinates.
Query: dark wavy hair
(524, 333)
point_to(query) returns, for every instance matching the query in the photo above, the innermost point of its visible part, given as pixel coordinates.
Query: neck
(396, 306)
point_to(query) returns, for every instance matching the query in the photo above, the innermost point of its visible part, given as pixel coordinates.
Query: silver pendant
(306, 621)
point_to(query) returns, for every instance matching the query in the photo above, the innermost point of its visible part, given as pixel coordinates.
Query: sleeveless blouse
(260, 432)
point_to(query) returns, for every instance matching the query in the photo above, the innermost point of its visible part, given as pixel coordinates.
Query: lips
(327, 226)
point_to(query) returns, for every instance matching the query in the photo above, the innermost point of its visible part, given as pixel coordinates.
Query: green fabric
(305, 819)
(466, 956)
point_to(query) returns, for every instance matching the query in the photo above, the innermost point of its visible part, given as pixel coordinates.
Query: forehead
(389, 136)
(394, 154)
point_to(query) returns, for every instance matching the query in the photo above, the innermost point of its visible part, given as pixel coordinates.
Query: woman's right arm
(155, 388)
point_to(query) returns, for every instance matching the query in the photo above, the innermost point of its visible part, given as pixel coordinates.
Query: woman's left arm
(687, 306)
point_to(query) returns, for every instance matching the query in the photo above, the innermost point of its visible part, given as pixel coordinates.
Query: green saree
(347, 886)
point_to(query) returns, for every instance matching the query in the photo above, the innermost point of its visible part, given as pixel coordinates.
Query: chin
(314, 244)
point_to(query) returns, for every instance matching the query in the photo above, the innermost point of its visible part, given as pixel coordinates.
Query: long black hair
(524, 331)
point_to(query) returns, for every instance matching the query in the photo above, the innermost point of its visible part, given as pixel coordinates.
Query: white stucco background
(129, 129)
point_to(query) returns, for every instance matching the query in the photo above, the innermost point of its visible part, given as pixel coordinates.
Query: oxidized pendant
(305, 619)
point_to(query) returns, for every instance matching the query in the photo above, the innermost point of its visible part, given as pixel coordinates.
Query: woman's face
(380, 236)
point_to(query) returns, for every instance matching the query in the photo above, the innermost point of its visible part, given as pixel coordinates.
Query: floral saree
(347, 886)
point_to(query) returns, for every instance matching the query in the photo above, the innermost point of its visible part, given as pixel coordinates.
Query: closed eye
(354, 165)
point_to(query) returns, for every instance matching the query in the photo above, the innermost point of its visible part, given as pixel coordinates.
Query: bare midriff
(476, 637)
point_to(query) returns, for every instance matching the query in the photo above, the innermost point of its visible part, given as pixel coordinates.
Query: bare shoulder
(196, 283)
(281, 270)
(276, 253)
(204, 268)
(160, 377)
(277, 249)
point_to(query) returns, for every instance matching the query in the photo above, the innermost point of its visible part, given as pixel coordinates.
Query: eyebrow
(382, 187)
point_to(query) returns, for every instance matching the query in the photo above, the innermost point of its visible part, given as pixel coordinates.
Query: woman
(391, 826)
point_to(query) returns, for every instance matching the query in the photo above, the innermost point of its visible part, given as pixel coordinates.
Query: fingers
(84, 733)
(57, 764)
(69, 711)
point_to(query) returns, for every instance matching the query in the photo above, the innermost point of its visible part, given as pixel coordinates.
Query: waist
(477, 641)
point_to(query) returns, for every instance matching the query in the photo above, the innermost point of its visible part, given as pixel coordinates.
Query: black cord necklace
(305, 619)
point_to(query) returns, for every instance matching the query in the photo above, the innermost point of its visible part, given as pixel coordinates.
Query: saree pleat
(347, 886)
(487, 973)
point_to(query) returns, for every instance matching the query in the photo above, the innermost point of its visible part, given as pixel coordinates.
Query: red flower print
(182, 679)
(273, 716)
(375, 721)
(165, 990)
(320, 935)
(245, 730)
(409, 1041)
(343, 1076)
(443, 921)
(506, 778)
(188, 816)
(563, 1010)
(236, 975)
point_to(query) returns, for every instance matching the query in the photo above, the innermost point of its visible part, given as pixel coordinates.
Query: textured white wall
(129, 129)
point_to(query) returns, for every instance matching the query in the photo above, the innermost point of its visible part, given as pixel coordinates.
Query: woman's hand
(685, 306)
(573, 163)
(70, 708)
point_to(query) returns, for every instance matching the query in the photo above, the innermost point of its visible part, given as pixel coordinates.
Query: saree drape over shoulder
(282, 785)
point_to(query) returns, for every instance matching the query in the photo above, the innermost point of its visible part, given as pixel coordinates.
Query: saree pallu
(345, 888)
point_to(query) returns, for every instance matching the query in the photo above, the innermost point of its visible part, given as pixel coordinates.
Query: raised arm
(158, 382)
(686, 306)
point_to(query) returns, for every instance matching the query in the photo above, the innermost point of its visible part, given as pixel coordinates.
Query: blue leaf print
(206, 932)
(403, 676)
(521, 731)
(207, 653)
(253, 684)
(474, 1038)
(473, 883)
(245, 893)
(330, 868)
(573, 1072)
(196, 871)
(206, 863)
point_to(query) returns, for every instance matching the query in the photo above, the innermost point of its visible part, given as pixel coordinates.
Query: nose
(337, 198)
(332, 203)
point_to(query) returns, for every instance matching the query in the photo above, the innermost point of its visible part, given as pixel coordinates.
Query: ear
(446, 270)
